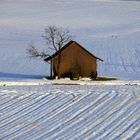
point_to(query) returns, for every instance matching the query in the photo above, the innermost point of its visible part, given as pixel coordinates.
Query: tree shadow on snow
(19, 76)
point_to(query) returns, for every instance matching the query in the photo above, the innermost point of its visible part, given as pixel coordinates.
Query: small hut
(74, 58)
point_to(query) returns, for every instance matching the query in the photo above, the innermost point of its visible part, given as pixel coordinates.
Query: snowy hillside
(109, 29)
(53, 112)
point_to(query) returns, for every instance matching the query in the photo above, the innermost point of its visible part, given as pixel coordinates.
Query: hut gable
(68, 45)
(74, 58)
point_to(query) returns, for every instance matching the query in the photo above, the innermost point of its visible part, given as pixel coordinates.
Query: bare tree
(55, 38)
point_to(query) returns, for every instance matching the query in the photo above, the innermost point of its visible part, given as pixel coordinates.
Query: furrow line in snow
(59, 109)
(135, 134)
(30, 122)
(123, 125)
(127, 104)
(69, 104)
(12, 102)
(33, 119)
(104, 118)
(129, 128)
(21, 106)
(7, 99)
(32, 102)
(87, 120)
(95, 107)
(9, 96)
(74, 104)
(48, 113)
(20, 101)
(107, 131)
(46, 125)
(28, 109)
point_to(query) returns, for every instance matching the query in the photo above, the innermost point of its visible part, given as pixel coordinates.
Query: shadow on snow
(20, 76)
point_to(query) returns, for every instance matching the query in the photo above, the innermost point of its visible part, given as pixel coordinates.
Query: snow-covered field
(108, 28)
(35, 108)
(70, 112)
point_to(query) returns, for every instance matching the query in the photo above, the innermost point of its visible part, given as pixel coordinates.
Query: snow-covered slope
(70, 112)
(109, 29)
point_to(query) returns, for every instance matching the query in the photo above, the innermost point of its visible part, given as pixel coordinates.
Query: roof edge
(88, 51)
(65, 46)
(53, 55)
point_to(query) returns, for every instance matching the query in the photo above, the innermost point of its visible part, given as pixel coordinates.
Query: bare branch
(33, 52)
(56, 37)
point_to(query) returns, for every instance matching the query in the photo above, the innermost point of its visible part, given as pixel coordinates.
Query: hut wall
(75, 59)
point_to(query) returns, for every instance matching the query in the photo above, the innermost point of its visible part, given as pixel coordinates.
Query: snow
(69, 112)
(35, 108)
(68, 82)
(109, 29)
